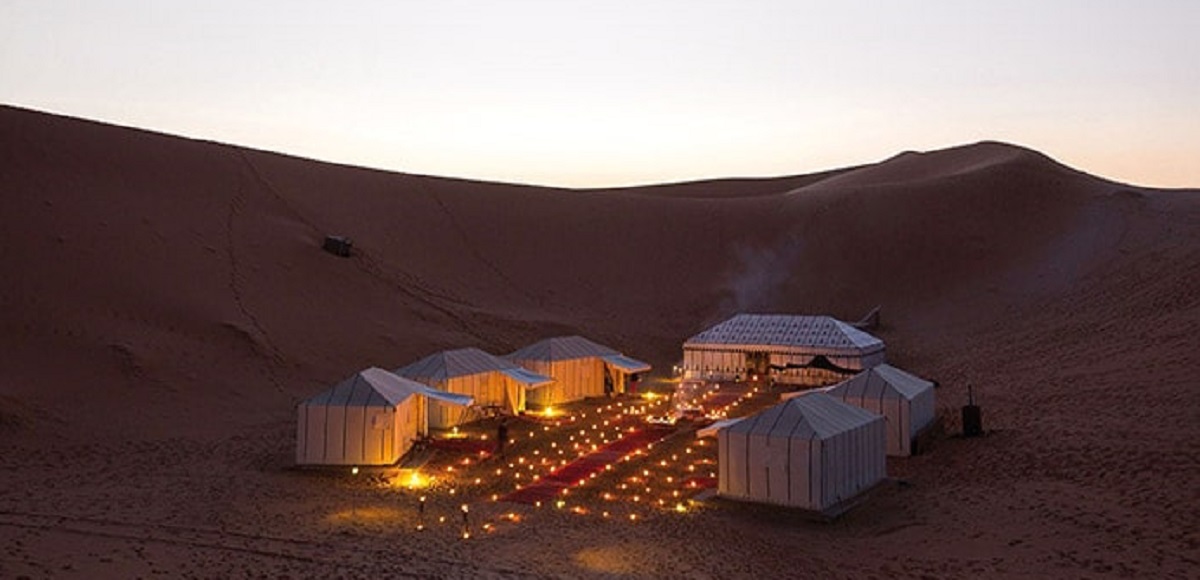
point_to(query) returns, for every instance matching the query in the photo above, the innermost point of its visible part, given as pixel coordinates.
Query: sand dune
(166, 302)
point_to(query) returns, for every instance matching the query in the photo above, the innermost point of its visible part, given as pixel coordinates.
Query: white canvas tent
(905, 401)
(804, 350)
(579, 367)
(490, 380)
(811, 452)
(371, 418)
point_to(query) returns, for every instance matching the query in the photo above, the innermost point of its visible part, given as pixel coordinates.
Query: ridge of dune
(930, 166)
(166, 303)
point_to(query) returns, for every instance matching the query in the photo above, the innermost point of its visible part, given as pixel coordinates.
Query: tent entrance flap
(626, 364)
(530, 379)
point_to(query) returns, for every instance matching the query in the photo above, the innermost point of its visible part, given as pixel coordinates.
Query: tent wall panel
(314, 433)
(335, 434)
(758, 462)
(781, 458)
(372, 418)
(356, 433)
(907, 408)
(778, 471)
(301, 432)
(739, 467)
(378, 435)
(723, 485)
(820, 479)
(734, 469)
(798, 461)
(575, 379)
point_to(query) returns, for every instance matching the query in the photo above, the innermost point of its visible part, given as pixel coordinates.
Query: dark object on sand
(972, 416)
(338, 246)
(501, 437)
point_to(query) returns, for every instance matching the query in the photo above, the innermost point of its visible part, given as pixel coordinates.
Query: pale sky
(613, 92)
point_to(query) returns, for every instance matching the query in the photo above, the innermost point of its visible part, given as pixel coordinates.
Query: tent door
(758, 363)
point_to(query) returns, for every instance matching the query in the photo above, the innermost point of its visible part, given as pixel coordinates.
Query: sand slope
(167, 298)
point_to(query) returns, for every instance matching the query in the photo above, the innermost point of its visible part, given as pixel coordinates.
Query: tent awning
(452, 398)
(626, 364)
(528, 378)
(711, 430)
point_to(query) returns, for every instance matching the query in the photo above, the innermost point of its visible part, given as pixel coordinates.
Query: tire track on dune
(259, 545)
(236, 203)
(471, 247)
(403, 281)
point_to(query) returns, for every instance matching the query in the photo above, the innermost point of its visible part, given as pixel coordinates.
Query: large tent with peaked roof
(905, 401)
(579, 367)
(490, 380)
(802, 350)
(813, 452)
(371, 418)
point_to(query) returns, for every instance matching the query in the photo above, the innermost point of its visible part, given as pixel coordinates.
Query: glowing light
(417, 481)
(353, 471)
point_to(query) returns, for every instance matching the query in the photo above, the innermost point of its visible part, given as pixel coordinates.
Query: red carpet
(729, 393)
(571, 474)
(698, 483)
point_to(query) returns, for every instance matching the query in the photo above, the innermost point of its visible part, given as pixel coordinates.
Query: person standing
(501, 436)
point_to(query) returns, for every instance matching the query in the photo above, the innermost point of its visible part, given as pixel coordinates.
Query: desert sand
(165, 303)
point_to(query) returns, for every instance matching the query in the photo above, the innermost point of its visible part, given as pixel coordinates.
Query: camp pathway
(726, 395)
(552, 485)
